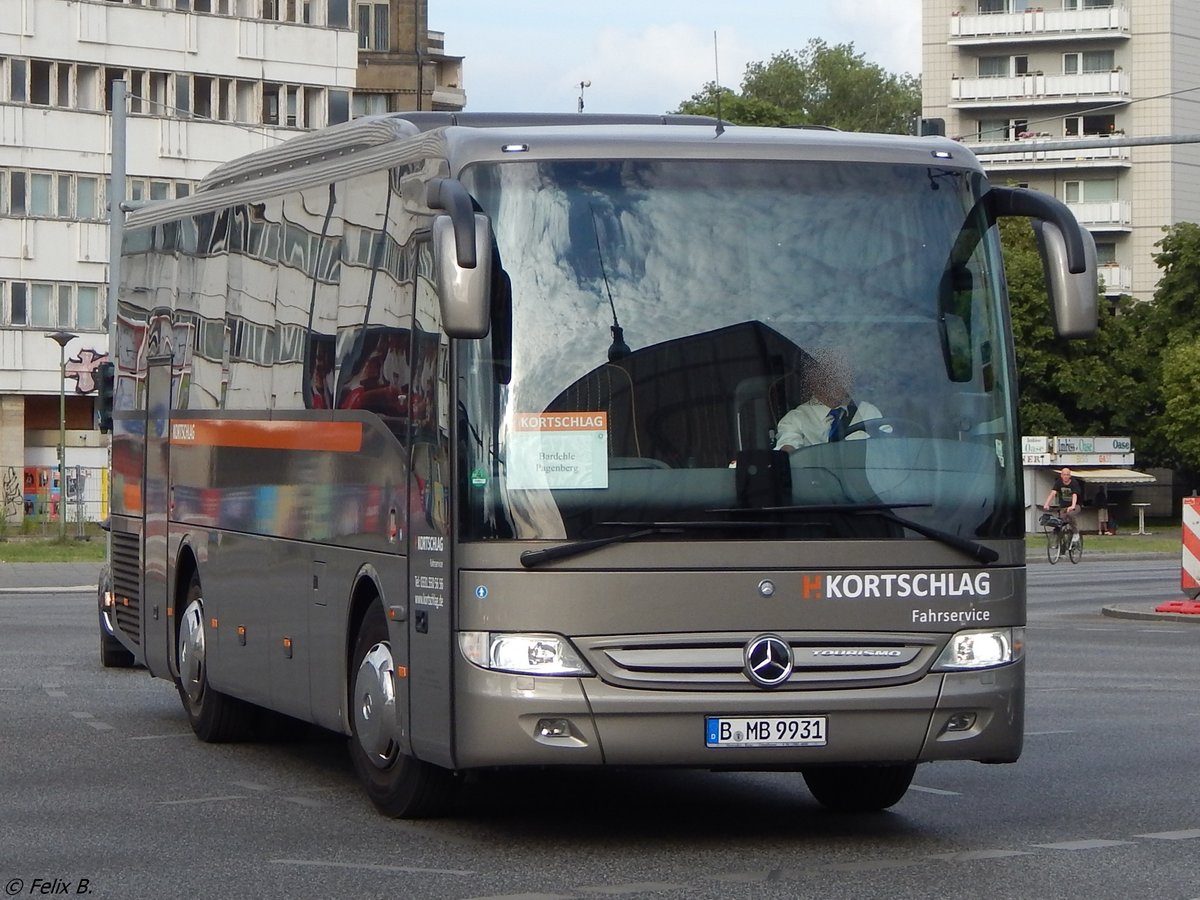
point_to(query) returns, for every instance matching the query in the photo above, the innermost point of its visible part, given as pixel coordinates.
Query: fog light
(963, 721)
(553, 728)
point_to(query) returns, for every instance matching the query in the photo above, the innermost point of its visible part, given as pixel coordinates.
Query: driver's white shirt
(809, 423)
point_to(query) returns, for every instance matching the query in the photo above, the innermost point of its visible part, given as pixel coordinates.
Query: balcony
(1115, 279)
(1039, 24)
(1104, 215)
(1025, 155)
(1037, 89)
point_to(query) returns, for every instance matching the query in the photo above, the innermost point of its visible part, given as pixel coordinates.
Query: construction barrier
(1189, 577)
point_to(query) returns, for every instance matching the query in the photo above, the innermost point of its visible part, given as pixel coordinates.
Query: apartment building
(207, 80)
(1016, 72)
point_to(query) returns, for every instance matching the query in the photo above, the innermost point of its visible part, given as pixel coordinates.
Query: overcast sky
(646, 56)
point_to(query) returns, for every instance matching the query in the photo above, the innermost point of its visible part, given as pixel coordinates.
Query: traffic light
(105, 384)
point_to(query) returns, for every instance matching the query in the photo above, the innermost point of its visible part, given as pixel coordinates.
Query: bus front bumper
(519, 720)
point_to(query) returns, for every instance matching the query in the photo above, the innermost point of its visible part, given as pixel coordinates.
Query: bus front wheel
(399, 785)
(215, 717)
(859, 788)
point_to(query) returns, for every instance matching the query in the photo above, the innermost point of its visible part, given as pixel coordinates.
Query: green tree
(1172, 324)
(1181, 403)
(1103, 385)
(818, 85)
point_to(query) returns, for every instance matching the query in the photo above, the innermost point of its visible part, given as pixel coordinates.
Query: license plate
(765, 731)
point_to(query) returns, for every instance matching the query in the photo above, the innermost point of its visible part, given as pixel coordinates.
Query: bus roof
(371, 143)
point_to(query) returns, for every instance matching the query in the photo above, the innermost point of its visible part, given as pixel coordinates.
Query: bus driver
(830, 410)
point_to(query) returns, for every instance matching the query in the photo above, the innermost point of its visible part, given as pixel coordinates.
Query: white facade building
(207, 80)
(1020, 71)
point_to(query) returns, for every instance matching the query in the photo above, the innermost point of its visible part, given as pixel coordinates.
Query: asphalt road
(104, 788)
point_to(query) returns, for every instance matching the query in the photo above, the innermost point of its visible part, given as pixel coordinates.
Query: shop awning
(1112, 476)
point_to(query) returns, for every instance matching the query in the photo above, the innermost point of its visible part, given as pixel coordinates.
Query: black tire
(859, 788)
(1053, 545)
(1075, 548)
(215, 717)
(113, 654)
(399, 785)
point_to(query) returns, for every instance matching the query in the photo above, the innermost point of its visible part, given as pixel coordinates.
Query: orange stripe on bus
(339, 437)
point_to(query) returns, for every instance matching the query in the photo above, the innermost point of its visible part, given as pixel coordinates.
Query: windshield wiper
(531, 558)
(973, 549)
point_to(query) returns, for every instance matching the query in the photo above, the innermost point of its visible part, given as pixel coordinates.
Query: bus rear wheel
(859, 788)
(399, 785)
(215, 717)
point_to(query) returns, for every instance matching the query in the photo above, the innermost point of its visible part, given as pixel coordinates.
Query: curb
(50, 589)
(1147, 614)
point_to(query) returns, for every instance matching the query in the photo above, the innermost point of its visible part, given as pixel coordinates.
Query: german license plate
(765, 731)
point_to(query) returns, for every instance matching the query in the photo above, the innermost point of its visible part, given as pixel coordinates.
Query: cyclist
(1067, 489)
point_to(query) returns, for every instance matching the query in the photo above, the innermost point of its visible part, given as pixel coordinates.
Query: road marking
(1095, 844)
(54, 690)
(160, 737)
(929, 790)
(1189, 834)
(304, 801)
(88, 719)
(970, 855)
(250, 785)
(1044, 733)
(370, 867)
(635, 888)
(202, 800)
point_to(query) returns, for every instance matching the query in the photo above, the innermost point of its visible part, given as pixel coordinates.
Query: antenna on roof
(717, 84)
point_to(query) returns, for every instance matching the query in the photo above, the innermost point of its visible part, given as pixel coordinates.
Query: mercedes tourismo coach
(461, 435)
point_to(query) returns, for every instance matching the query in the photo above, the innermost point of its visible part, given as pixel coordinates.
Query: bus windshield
(665, 336)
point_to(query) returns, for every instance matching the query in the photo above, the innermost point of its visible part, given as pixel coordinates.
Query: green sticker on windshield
(478, 477)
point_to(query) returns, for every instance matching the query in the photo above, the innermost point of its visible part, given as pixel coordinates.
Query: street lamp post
(62, 338)
(582, 85)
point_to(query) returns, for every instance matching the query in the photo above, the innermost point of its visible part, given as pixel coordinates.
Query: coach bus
(460, 435)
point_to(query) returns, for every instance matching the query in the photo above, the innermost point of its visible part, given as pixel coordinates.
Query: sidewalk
(27, 578)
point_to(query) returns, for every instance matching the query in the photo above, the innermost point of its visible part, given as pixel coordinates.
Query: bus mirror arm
(450, 195)
(1037, 205)
(1068, 254)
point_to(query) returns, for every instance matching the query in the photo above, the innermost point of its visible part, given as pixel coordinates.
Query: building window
(41, 313)
(61, 305)
(339, 107)
(1003, 66)
(1078, 126)
(18, 313)
(16, 81)
(1099, 190)
(369, 104)
(1088, 61)
(373, 26)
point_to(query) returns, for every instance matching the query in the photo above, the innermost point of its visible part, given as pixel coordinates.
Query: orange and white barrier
(1189, 576)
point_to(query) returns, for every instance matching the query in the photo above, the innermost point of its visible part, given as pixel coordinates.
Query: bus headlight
(981, 649)
(525, 654)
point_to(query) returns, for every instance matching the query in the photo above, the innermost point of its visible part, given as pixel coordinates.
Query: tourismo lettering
(895, 585)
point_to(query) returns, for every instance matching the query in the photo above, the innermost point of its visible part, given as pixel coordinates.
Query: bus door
(431, 580)
(157, 602)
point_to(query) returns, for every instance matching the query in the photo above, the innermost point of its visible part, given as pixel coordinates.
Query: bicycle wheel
(1075, 548)
(1053, 545)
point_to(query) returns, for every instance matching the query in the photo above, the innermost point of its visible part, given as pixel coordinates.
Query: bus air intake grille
(705, 662)
(127, 584)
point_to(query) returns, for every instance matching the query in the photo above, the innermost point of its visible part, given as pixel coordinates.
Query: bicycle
(1062, 536)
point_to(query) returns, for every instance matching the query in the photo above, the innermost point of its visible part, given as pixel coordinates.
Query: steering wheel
(889, 426)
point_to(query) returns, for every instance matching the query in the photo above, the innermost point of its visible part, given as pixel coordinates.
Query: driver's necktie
(837, 423)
